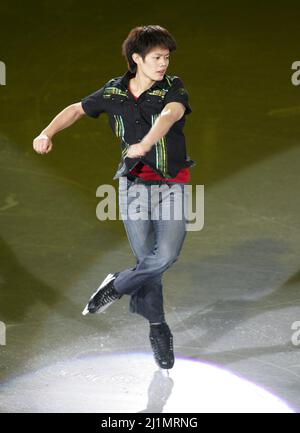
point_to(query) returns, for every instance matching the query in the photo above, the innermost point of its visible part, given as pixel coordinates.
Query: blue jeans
(155, 223)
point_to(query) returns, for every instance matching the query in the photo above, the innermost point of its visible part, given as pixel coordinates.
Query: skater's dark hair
(142, 40)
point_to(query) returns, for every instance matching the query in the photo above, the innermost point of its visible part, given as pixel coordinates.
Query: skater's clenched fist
(42, 144)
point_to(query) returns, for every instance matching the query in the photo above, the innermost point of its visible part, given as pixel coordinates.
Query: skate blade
(85, 311)
(100, 310)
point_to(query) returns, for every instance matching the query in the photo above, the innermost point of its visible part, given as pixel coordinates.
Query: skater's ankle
(158, 326)
(162, 322)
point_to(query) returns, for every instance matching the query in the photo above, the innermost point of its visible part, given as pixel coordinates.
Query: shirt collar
(128, 75)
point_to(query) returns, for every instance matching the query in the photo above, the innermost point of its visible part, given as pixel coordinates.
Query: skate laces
(107, 295)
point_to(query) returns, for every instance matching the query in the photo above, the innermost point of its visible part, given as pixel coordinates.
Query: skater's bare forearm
(43, 142)
(172, 112)
(64, 119)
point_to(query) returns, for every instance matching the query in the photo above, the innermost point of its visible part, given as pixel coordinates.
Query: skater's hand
(42, 144)
(136, 150)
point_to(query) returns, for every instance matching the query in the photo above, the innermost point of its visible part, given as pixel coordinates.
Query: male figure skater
(146, 110)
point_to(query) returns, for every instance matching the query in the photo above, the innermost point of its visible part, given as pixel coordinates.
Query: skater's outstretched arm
(43, 142)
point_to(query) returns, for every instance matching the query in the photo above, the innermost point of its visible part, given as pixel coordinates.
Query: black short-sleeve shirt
(94, 104)
(131, 120)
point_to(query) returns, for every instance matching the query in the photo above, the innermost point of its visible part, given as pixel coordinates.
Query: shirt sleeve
(178, 93)
(94, 104)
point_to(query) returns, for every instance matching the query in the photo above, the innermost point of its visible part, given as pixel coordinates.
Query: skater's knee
(157, 262)
(166, 260)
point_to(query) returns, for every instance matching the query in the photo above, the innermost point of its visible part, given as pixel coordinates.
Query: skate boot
(161, 341)
(105, 295)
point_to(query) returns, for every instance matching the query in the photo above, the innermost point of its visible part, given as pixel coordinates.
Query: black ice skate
(161, 341)
(105, 295)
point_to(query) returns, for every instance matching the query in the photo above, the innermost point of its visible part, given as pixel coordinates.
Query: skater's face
(155, 64)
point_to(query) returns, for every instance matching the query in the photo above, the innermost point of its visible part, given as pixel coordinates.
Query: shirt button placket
(138, 130)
